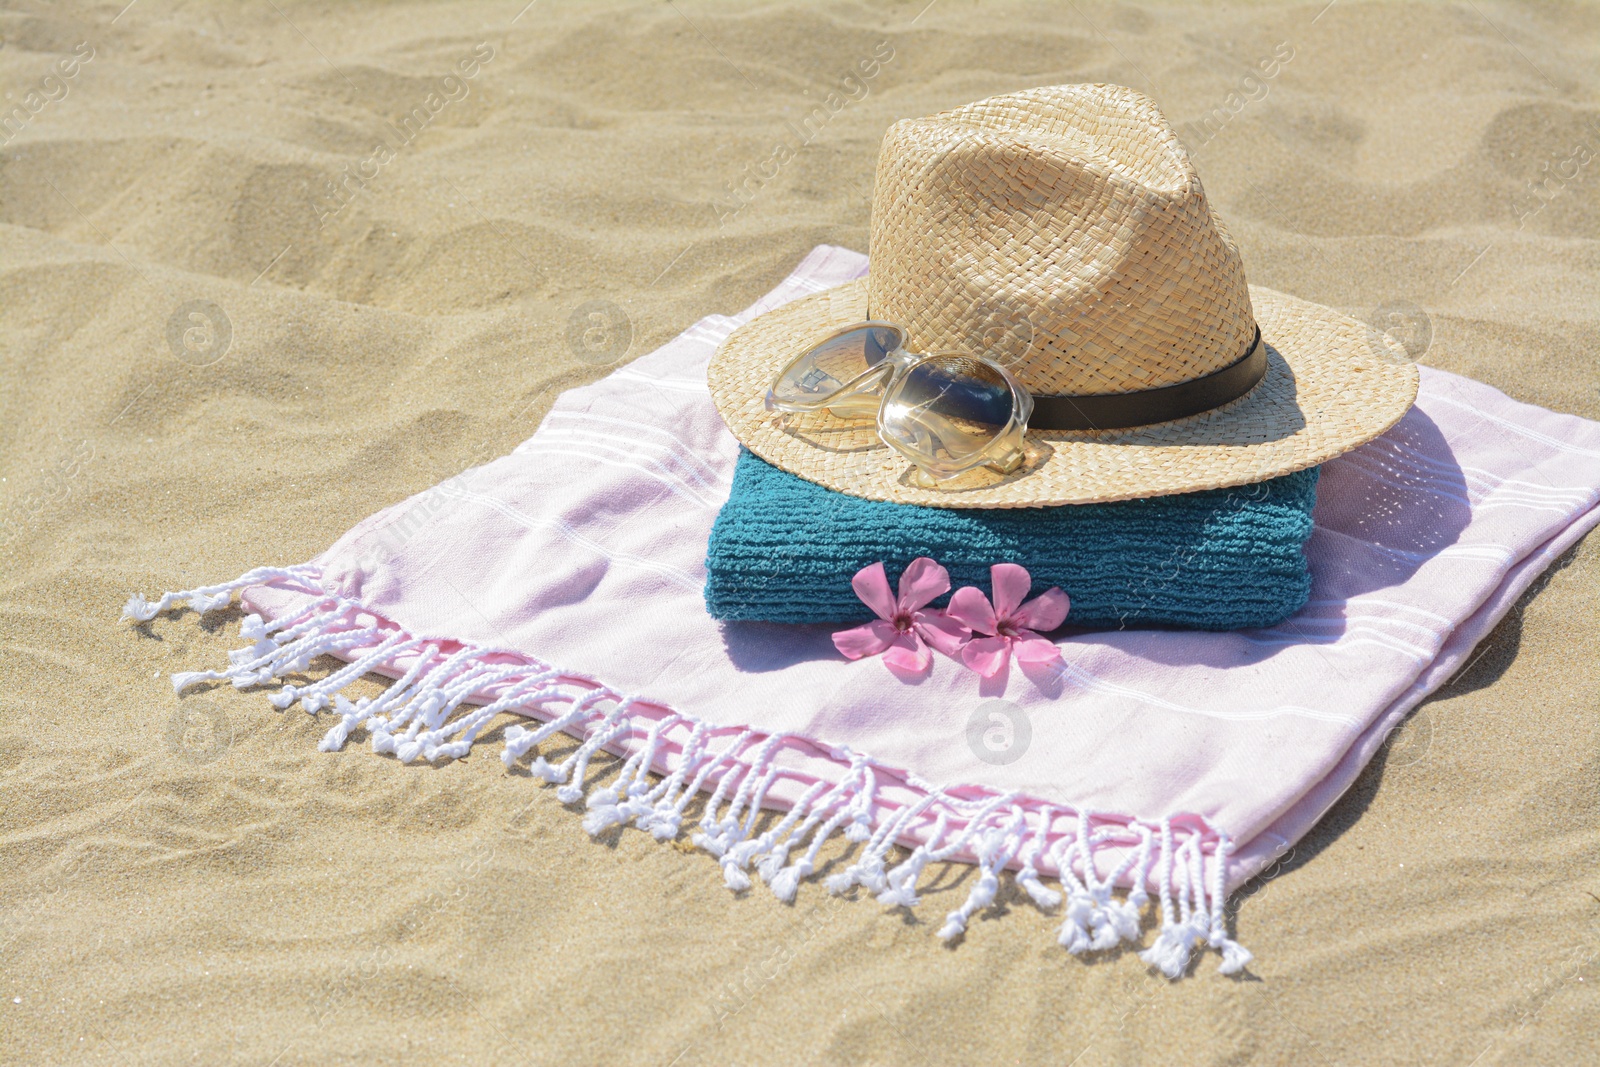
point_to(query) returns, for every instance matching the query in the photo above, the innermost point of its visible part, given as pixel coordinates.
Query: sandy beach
(268, 268)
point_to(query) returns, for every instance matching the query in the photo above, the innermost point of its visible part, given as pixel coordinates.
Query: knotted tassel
(623, 801)
(859, 828)
(1123, 917)
(773, 863)
(868, 871)
(138, 609)
(665, 824)
(1172, 948)
(602, 817)
(1179, 933)
(785, 881)
(1074, 935)
(1082, 919)
(551, 773)
(1103, 931)
(202, 603)
(1235, 957)
(982, 895)
(713, 831)
(785, 884)
(611, 728)
(901, 890)
(518, 741)
(349, 715)
(736, 861)
(1045, 898)
(992, 855)
(182, 680)
(210, 597)
(353, 715)
(771, 850)
(730, 831)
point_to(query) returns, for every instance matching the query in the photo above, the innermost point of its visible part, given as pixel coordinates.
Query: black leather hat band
(1116, 411)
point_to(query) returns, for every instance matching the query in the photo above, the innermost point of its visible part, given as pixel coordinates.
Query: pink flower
(903, 631)
(1010, 623)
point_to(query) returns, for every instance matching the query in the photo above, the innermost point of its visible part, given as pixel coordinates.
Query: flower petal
(986, 655)
(1010, 584)
(872, 586)
(1045, 612)
(908, 653)
(867, 640)
(920, 582)
(970, 606)
(944, 633)
(1037, 649)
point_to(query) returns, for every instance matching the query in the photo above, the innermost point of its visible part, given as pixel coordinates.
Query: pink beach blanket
(563, 583)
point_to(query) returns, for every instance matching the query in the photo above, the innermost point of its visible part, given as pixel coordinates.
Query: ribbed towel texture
(784, 550)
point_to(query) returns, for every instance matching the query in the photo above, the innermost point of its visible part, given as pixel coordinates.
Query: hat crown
(1063, 232)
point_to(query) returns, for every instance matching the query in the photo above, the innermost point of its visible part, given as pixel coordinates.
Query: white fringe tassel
(438, 705)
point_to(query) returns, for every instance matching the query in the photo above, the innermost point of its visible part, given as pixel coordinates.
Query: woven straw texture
(1063, 232)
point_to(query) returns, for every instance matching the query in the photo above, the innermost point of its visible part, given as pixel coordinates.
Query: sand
(198, 884)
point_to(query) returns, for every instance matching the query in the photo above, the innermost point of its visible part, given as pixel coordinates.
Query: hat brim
(1332, 384)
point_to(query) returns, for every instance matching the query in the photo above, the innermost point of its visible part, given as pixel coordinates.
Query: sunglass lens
(825, 370)
(952, 413)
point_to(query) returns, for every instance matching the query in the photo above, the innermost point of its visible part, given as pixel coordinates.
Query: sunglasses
(946, 412)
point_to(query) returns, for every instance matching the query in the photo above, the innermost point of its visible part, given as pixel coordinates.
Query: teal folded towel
(784, 550)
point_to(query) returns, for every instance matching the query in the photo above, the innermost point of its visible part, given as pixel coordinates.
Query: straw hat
(1063, 232)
